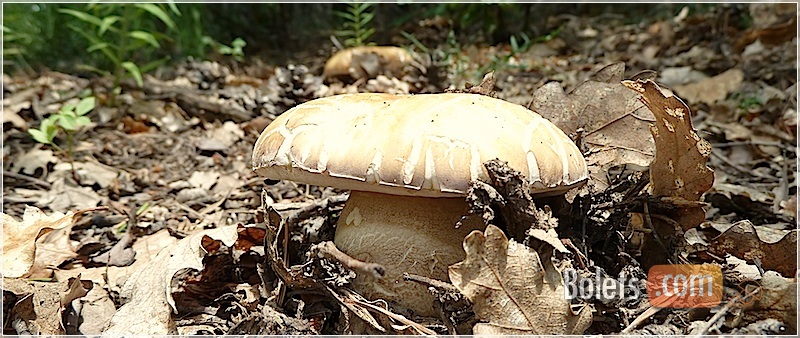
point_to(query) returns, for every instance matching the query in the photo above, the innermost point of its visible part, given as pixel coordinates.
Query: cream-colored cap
(430, 145)
(392, 59)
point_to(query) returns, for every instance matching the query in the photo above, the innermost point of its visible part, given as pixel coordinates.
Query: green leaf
(67, 108)
(85, 67)
(363, 7)
(86, 17)
(173, 7)
(68, 122)
(147, 67)
(346, 32)
(366, 18)
(159, 13)
(85, 106)
(50, 122)
(415, 41)
(107, 22)
(97, 46)
(108, 52)
(238, 42)
(83, 120)
(133, 69)
(346, 16)
(40, 136)
(144, 36)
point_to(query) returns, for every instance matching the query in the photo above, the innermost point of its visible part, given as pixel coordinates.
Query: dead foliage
(190, 241)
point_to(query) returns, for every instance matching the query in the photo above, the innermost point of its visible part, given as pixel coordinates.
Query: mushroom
(408, 161)
(367, 62)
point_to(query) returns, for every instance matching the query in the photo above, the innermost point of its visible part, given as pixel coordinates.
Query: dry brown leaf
(777, 299)
(615, 123)
(113, 277)
(777, 249)
(712, 89)
(34, 159)
(512, 291)
(76, 288)
(96, 309)
(52, 249)
(149, 305)
(19, 238)
(40, 305)
(679, 169)
(65, 194)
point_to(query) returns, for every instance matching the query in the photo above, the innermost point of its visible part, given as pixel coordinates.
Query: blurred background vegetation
(130, 39)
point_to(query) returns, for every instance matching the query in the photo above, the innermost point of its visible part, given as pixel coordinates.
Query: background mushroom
(366, 62)
(408, 161)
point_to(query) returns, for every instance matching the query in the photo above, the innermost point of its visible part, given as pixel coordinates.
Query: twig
(429, 282)
(751, 143)
(328, 250)
(649, 222)
(33, 180)
(652, 310)
(703, 330)
(359, 300)
(740, 168)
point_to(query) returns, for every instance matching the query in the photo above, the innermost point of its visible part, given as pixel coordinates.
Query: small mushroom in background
(366, 62)
(408, 161)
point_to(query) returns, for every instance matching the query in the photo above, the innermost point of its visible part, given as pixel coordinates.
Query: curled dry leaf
(512, 290)
(19, 238)
(41, 305)
(777, 249)
(614, 122)
(712, 89)
(149, 305)
(679, 169)
(777, 298)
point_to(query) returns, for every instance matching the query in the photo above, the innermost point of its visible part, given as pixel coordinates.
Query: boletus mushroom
(408, 161)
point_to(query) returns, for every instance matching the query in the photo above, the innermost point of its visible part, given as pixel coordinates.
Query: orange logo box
(684, 285)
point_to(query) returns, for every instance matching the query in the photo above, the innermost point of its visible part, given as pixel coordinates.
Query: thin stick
(328, 250)
(33, 180)
(429, 282)
(652, 310)
(649, 222)
(703, 330)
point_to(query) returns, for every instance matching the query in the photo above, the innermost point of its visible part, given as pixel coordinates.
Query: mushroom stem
(405, 234)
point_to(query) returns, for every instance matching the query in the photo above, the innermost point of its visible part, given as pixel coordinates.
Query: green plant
(448, 56)
(236, 49)
(69, 118)
(121, 32)
(356, 27)
(30, 35)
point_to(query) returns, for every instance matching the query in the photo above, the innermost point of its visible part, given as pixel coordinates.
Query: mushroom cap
(391, 58)
(430, 145)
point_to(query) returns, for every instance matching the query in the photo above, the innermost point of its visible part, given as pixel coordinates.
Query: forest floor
(169, 166)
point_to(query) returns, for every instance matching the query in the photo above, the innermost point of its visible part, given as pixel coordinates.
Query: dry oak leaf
(41, 305)
(148, 310)
(777, 298)
(777, 249)
(614, 120)
(679, 169)
(512, 291)
(712, 89)
(19, 238)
